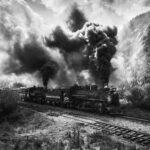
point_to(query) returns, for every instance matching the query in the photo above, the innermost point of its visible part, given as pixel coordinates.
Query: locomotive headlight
(66, 98)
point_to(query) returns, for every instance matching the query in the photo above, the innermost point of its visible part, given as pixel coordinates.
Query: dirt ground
(27, 129)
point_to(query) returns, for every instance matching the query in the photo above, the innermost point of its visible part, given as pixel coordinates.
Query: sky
(19, 19)
(107, 12)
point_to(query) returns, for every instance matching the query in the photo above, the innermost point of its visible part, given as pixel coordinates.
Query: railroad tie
(146, 142)
(130, 134)
(124, 132)
(116, 132)
(144, 138)
(139, 139)
(135, 137)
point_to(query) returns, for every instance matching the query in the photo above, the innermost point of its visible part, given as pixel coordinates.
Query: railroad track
(121, 116)
(140, 138)
(132, 118)
(125, 133)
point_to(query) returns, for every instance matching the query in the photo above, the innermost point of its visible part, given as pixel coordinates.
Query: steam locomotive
(88, 98)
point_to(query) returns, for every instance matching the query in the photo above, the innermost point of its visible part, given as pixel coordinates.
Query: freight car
(87, 98)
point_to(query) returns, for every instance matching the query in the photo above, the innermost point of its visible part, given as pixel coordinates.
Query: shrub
(140, 96)
(136, 96)
(8, 101)
(146, 102)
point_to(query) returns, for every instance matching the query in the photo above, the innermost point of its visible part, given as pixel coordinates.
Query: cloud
(24, 25)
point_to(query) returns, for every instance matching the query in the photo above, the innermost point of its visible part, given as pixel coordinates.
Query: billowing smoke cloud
(62, 41)
(70, 46)
(91, 49)
(101, 48)
(25, 50)
(76, 19)
(30, 57)
(76, 54)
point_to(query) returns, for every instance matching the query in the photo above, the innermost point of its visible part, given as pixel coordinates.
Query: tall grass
(73, 141)
(8, 101)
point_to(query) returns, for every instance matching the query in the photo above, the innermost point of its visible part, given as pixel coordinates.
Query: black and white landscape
(74, 74)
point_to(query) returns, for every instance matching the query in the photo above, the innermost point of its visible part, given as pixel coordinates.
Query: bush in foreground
(8, 101)
(140, 96)
(93, 141)
(136, 96)
(146, 101)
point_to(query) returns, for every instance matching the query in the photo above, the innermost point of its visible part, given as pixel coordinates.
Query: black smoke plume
(100, 50)
(48, 71)
(67, 44)
(31, 57)
(76, 19)
(92, 51)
